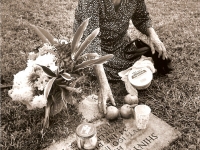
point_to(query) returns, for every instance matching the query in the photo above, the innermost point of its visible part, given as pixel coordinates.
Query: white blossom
(46, 60)
(39, 102)
(42, 81)
(22, 94)
(33, 79)
(21, 79)
(53, 67)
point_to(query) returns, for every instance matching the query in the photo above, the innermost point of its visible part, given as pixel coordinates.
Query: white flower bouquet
(53, 70)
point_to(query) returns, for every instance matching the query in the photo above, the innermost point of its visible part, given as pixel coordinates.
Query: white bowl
(140, 78)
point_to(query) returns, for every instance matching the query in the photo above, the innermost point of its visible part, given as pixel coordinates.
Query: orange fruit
(112, 113)
(126, 111)
(131, 99)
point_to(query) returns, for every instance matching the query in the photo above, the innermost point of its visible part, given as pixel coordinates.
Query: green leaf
(67, 97)
(94, 61)
(78, 35)
(89, 56)
(66, 76)
(58, 105)
(78, 80)
(85, 44)
(104, 58)
(48, 87)
(40, 34)
(47, 113)
(71, 89)
(64, 95)
(47, 35)
(48, 71)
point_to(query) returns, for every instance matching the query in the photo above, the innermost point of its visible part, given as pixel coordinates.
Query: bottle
(86, 136)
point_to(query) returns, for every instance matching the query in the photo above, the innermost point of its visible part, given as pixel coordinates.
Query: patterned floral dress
(113, 24)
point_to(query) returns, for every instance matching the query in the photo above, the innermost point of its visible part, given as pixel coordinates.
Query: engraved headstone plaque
(123, 134)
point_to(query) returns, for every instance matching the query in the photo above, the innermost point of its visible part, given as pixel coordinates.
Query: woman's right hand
(105, 92)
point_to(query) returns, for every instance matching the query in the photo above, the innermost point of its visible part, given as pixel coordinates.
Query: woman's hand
(156, 44)
(105, 92)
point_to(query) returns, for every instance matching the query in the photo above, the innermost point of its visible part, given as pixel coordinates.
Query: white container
(142, 113)
(140, 78)
(86, 136)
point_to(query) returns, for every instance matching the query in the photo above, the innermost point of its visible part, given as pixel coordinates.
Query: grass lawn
(174, 98)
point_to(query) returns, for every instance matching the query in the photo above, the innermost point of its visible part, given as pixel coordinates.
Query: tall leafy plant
(60, 87)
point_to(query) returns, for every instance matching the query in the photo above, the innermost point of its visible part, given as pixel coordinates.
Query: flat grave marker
(123, 134)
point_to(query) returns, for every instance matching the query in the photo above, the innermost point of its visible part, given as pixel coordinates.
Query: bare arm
(155, 43)
(142, 22)
(105, 92)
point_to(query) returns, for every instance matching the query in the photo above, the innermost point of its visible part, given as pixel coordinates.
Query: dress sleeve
(88, 9)
(141, 18)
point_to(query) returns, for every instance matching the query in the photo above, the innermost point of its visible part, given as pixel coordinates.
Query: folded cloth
(141, 63)
(145, 62)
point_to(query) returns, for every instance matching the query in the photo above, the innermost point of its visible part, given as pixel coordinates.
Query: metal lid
(86, 130)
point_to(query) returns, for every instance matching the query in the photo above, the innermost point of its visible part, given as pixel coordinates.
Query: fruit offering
(131, 99)
(112, 113)
(126, 111)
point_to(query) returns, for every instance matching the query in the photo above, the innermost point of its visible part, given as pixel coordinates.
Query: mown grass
(174, 98)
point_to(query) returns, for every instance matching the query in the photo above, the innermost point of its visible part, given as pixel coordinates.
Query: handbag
(162, 66)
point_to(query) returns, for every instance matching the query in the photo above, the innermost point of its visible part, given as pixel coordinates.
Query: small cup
(142, 113)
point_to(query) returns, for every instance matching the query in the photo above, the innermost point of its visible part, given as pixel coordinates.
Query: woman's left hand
(156, 45)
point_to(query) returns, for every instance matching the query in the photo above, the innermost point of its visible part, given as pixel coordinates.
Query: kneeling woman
(112, 17)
